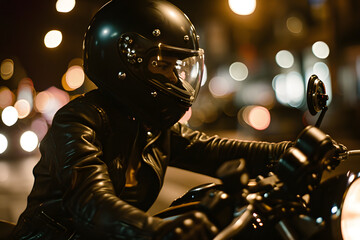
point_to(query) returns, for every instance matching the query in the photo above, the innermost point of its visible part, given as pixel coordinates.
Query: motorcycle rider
(104, 158)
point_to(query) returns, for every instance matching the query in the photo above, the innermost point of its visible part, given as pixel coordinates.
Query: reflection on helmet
(145, 53)
(177, 71)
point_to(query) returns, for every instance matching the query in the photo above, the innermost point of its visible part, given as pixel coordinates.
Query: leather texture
(79, 190)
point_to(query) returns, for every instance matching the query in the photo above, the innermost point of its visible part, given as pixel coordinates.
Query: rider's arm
(196, 151)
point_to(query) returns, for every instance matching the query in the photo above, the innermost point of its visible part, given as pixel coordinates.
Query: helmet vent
(121, 75)
(154, 93)
(156, 32)
(125, 45)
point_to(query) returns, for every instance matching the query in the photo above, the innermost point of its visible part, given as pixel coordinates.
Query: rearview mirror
(316, 97)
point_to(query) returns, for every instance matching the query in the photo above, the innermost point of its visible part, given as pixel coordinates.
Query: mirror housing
(316, 98)
(316, 95)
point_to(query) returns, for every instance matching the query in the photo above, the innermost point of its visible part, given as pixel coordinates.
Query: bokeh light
(49, 101)
(238, 71)
(29, 141)
(74, 77)
(295, 89)
(26, 91)
(7, 69)
(23, 108)
(284, 59)
(9, 116)
(242, 7)
(6, 97)
(279, 86)
(3, 143)
(42, 100)
(294, 24)
(289, 89)
(65, 6)
(350, 216)
(53, 39)
(258, 117)
(220, 87)
(64, 84)
(321, 49)
(321, 70)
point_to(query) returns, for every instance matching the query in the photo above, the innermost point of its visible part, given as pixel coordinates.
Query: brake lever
(343, 156)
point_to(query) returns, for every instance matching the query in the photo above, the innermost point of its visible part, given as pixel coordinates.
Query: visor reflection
(177, 71)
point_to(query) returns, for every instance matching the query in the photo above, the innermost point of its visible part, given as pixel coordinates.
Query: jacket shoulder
(92, 109)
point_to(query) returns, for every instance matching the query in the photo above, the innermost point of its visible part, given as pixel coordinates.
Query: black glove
(341, 154)
(341, 151)
(189, 226)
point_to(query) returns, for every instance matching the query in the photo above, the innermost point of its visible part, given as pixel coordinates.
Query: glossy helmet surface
(146, 54)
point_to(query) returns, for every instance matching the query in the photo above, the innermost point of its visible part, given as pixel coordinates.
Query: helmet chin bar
(166, 115)
(183, 95)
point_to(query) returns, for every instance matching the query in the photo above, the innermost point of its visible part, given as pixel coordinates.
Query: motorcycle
(294, 201)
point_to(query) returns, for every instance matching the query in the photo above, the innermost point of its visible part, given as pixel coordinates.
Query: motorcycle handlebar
(353, 152)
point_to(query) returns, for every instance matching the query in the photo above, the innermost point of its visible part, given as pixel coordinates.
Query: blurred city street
(16, 181)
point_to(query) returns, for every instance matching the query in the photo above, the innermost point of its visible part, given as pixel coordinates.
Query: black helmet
(146, 54)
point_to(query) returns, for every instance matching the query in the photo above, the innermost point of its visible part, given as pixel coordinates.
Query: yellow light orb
(23, 108)
(242, 7)
(53, 39)
(7, 69)
(29, 141)
(75, 77)
(65, 6)
(9, 116)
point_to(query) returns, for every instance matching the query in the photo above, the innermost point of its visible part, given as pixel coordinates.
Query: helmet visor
(176, 71)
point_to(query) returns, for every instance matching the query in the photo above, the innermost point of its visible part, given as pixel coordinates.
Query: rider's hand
(341, 154)
(341, 151)
(190, 226)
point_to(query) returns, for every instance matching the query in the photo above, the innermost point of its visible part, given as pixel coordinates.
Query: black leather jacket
(79, 190)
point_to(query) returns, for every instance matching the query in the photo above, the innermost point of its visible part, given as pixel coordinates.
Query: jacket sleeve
(88, 192)
(198, 152)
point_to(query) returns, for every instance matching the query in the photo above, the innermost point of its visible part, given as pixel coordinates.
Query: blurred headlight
(350, 217)
(3, 143)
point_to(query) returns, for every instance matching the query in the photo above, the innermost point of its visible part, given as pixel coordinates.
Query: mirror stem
(322, 114)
